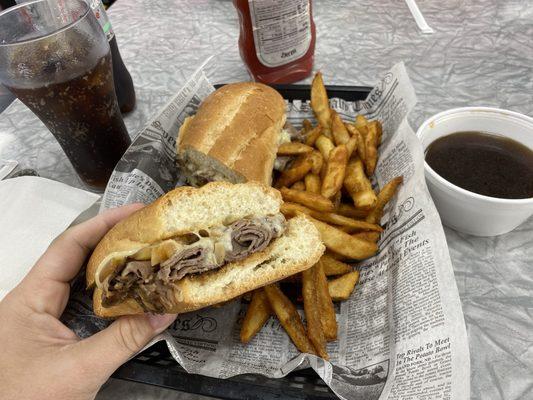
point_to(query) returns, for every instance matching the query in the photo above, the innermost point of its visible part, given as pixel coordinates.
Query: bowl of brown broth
(479, 168)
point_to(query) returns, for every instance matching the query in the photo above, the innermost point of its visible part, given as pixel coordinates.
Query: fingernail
(160, 322)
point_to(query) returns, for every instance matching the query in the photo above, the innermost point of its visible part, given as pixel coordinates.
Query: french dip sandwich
(195, 247)
(234, 135)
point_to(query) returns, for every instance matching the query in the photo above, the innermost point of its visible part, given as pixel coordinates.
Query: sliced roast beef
(142, 269)
(189, 261)
(117, 287)
(247, 237)
(151, 286)
(154, 297)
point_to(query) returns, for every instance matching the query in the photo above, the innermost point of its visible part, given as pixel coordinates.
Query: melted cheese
(216, 245)
(284, 137)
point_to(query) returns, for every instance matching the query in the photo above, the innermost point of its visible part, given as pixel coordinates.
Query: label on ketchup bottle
(282, 30)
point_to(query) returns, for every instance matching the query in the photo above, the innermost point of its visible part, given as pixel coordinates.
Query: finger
(66, 254)
(102, 353)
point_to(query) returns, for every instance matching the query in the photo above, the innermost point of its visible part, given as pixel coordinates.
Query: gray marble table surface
(480, 54)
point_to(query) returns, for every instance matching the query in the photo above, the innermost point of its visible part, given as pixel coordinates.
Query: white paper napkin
(33, 211)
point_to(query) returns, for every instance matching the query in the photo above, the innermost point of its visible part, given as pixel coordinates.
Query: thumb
(107, 350)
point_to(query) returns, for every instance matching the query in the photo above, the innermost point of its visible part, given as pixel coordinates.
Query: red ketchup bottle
(277, 39)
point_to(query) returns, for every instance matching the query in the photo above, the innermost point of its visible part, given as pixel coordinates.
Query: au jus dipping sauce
(483, 163)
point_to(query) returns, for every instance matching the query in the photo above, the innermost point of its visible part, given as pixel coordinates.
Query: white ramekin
(461, 209)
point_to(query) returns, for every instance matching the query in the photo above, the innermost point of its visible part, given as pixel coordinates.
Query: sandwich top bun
(187, 209)
(234, 135)
(181, 211)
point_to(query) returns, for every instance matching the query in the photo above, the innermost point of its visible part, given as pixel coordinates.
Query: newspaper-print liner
(377, 367)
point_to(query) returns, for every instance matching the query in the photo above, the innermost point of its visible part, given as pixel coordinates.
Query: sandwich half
(234, 135)
(195, 247)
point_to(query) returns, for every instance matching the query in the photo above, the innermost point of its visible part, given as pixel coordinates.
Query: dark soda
(83, 114)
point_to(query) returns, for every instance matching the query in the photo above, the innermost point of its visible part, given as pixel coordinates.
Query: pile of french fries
(329, 181)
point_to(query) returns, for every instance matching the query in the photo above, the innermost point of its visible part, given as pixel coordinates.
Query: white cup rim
(451, 186)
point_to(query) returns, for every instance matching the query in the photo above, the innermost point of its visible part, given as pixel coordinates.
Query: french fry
(350, 127)
(296, 171)
(346, 229)
(351, 145)
(368, 236)
(312, 200)
(324, 145)
(361, 148)
(335, 171)
(289, 318)
(340, 242)
(336, 199)
(317, 161)
(360, 141)
(342, 287)
(291, 209)
(331, 266)
(300, 185)
(338, 130)
(312, 183)
(358, 185)
(384, 196)
(363, 130)
(320, 103)
(371, 146)
(354, 231)
(348, 210)
(306, 126)
(293, 149)
(325, 304)
(354, 224)
(257, 314)
(336, 256)
(313, 135)
(379, 130)
(360, 121)
(312, 311)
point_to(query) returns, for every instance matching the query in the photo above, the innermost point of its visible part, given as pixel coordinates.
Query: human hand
(41, 357)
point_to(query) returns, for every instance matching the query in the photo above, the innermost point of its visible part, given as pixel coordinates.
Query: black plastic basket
(155, 366)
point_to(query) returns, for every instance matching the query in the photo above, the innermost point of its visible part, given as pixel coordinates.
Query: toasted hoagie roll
(234, 135)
